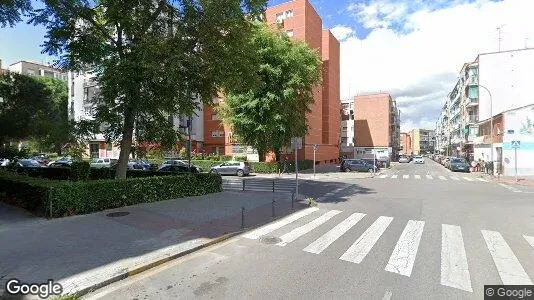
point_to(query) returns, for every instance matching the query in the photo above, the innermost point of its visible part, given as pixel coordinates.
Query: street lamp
(491, 126)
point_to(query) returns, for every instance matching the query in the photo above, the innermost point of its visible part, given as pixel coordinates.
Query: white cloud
(420, 65)
(342, 32)
(379, 13)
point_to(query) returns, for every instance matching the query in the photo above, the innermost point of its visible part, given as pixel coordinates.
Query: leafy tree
(12, 10)
(151, 58)
(267, 114)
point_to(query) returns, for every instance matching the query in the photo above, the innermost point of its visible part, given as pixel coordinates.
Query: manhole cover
(118, 214)
(270, 240)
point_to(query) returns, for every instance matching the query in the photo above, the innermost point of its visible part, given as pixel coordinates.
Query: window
(290, 33)
(30, 72)
(88, 111)
(110, 146)
(217, 134)
(214, 117)
(284, 15)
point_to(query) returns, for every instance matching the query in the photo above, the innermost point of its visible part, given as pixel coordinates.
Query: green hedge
(79, 170)
(258, 167)
(64, 198)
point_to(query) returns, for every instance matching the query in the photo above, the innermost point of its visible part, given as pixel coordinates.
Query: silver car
(418, 160)
(239, 168)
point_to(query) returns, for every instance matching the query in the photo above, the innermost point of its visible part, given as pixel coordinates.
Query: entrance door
(499, 160)
(93, 150)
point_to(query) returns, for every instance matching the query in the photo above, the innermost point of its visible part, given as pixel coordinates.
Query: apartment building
(83, 91)
(493, 89)
(36, 69)
(376, 126)
(301, 22)
(405, 144)
(422, 141)
(347, 128)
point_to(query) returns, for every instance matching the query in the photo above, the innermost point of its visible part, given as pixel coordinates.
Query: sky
(413, 49)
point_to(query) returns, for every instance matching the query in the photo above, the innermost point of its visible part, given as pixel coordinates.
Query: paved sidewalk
(509, 180)
(88, 251)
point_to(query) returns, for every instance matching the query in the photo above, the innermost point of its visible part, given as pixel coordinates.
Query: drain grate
(270, 240)
(118, 214)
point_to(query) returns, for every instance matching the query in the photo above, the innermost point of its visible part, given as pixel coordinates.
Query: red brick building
(376, 125)
(406, 143)
(301, 22)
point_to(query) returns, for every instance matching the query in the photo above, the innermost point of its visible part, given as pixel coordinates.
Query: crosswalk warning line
(530, 240)
(468, 179)
(508, 266)
(429, 177)
(357, 252)
(331, 236)
(382, 176)
(417, 176)
(394, 176)
(482, 179)
(405, 176)
(442, 177)
(403, 257)
(455, 178)
(302, 230)
(279, 224)
(454, 269)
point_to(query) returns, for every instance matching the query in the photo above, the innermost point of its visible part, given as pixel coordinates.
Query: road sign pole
(515, 158)
(314, 162)
(296, 172)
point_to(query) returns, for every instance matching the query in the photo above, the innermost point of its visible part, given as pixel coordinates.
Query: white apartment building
(36, 69)
(83, 91)
(347, 127)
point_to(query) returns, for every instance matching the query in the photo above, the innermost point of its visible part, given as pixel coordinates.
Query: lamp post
(491, 126)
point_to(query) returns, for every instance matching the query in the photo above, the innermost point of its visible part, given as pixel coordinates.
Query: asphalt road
(438, 235)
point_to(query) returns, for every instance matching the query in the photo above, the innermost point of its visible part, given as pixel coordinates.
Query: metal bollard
(243, 217)
(273, 207)
(292, 200)
(273, 185)
(243, 184)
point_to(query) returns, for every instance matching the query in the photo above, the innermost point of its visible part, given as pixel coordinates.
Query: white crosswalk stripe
(302, 230)
(394, 176)
(482, 179)
(454, 269)
(508, 266)
(468, 179)
(442, 177)
(403, 257)
(417, 176)
(357, 252)
(455, 178)
(383, 176)
(530, 240)
(279, 224)
(405, 176)
(331, 236)
(429, 177)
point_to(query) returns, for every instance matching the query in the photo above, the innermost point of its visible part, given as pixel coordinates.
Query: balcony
(471, 102)
(472, 119)
(472, 80)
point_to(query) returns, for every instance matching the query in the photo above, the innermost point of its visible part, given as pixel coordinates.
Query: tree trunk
(261, 155)
(126, 144)
(278, 154)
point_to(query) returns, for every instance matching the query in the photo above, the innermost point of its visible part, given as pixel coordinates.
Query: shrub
(205, 165)
(265, 167)
(64, 198)
(240, 158)
(11, 152)
(101, 173)
(79, 170)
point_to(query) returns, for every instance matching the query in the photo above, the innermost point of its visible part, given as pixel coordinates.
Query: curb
(151, 265)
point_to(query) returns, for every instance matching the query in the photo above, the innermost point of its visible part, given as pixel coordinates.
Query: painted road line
(482, 179)
(467, 178)
(387, 295)
(382, 176)
(279, 224)
(442, 177)
(331, 236)
(530, 240)
(405, 176)
(403, 257)
(394, 176)
(511, 188)
(507, 264)
(429, 177)
(417, 176)
(357, 252)
(454, 269)
(454, 178)
(302, 230)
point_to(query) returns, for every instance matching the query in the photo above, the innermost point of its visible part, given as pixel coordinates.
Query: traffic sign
(315, 147)
(296, 143)
(516, 144)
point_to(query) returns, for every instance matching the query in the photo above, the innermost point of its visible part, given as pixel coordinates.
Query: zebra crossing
(454, 261)
(430, 177)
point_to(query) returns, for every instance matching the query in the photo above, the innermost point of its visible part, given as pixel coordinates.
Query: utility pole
(499, 38)
(189, 126)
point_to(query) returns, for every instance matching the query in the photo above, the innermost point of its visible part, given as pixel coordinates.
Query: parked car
(59, 164)
(64, 159)
(42, 159)
(102, 162)
(358, 165)
(419, 160)
(28, 163)
(239, 168)
(132, 165)
(177, 169)
(4, 162)
(404, 159)
(378, 164)
(458, 165)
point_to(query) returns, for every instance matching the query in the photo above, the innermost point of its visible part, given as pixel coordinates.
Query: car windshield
(29, 163)
(458, 160)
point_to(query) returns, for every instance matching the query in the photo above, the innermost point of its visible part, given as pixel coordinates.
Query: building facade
(301, 22)
(83, 92)
(35, 69)
(405, 144)
(376, 126)
(347, 128)
(422, 141)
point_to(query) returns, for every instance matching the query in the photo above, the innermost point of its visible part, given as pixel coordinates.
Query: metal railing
(258, 185)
